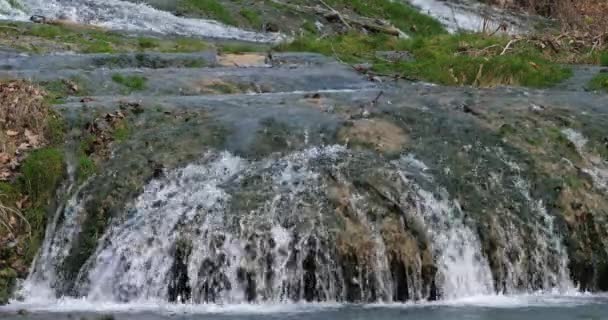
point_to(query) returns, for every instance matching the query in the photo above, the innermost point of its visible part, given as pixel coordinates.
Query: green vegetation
(131, 83)
(460, 59)
(242, 47)
(212, 9)
(604, 59)
(251, 16)
(599, 82)
(7, 282)
(41, 38)
(403, 16)
(40, 174)
(58, 90)
(121, 133)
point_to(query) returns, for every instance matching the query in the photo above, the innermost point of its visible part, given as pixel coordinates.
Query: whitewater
(127, 16)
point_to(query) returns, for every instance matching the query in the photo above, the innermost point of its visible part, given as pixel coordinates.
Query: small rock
(271, 27)
(38, 19)
(363, 67)
(12, 133)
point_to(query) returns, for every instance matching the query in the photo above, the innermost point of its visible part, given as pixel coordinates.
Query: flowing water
(124, 15)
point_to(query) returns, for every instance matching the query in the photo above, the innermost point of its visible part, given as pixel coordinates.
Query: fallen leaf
(12, 133)
(32, 139)
(534, 65)
(22, 203)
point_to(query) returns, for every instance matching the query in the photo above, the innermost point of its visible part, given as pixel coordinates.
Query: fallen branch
(508, 46)
(374, 25)
(337, 13)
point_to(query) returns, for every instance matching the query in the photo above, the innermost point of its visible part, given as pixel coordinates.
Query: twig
(371, 24)
(508, 46)
(478, 77)
(377, 99)
(337, 13)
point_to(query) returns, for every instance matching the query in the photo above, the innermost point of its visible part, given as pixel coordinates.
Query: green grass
(212, 9)
(242, 47)
(147, 43)
(461, 59)
(599, 82)
(252, 17)
(91, 40)
(40, 173)
(403, 16)
(121, 133)
(604, 59)
(131, 83)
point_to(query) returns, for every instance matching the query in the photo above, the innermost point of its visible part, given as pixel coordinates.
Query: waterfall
(124, 15)
(230, 230)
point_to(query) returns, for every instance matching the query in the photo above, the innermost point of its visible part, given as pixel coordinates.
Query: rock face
(323, 189)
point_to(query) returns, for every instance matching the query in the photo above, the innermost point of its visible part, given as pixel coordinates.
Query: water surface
(583, 307)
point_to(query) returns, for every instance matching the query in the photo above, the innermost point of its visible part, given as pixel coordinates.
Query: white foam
(65, 305)
(70, 305)
(460, 17)
(123, 15)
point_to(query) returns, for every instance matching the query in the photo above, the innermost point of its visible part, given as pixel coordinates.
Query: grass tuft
(599, 82)
(604, 59)
(212, 9)
(131, 83)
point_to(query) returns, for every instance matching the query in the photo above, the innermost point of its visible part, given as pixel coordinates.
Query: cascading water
(299, 227)
(124, 15)
(470, 16)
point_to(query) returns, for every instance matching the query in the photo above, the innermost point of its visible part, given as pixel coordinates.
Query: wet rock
(179, 288)
(270, 27)
(377, 134)
(38, 19)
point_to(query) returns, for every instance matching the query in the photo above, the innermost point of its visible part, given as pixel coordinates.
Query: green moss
(184, 45)
(121, 133)
(147, 43)
(241, 47)
(58, 90)
(599, 82)
(131, 83)
(212, 9)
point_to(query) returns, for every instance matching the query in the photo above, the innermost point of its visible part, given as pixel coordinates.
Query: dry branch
(374, 25)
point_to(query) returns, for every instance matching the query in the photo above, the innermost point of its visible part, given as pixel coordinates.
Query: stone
(38, 19)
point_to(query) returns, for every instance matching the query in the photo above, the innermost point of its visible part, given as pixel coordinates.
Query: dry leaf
(32, 139)
(12, 133)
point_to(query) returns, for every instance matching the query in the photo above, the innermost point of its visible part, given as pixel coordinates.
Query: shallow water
(583, 307)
